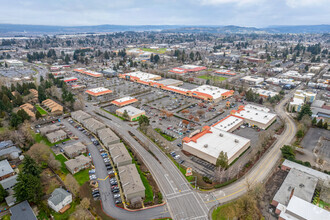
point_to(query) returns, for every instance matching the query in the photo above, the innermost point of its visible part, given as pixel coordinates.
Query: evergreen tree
(320, 124)
(3, 193)
(305, 110)
(325, 125)
(222, 160)
(314, 121)
(38, 115)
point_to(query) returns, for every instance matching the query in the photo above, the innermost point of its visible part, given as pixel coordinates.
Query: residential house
(79, 163)
(56, 136)
(60, 200)
(5, 170)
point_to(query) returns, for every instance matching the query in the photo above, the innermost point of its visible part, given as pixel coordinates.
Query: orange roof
(174, 90)
(206, 130)
(124, 103)
(229, 93)
(98, 93)
(221, 120)
(199, 94)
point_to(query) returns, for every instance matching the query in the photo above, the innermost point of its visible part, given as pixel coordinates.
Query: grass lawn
(224, 212)
(65, 215)
(214, 78)
(159, 50)
(41, 110)
(5, 217)
(82, 176)
(39, 138)
(2, 129)
(167, 137)
(62, 159)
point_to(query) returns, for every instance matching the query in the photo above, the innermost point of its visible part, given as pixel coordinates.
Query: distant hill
(16, 29)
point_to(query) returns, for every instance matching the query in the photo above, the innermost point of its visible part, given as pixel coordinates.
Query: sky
(250, 13)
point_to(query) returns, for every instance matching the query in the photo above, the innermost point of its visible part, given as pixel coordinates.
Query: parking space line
(103, 179)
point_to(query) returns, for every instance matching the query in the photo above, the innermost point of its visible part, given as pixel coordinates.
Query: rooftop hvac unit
(236, 141)
(256, 113)
(221, 135)
(206, 145)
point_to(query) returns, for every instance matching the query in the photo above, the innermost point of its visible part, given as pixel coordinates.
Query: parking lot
(107, 188)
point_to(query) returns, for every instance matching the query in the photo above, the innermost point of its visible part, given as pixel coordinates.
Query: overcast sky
(257, 13)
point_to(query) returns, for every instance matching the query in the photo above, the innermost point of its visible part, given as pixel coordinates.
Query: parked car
(173, 154)
(110, 172)
(177, 157)
(92, 177)
(96, 195)
(181, 161)
(106, 160)
(116, 196)
(117, 201)
(91, 171)
(115, 190)
(179, 145)
(38, 126)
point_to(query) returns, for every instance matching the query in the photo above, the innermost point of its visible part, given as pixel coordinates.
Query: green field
(212, 78)
(224, 212)
(159, 50)
(167, 137)
(41, 110)
(82, 176)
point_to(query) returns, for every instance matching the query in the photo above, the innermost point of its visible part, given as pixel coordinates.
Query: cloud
(304, 3)
(236, 2)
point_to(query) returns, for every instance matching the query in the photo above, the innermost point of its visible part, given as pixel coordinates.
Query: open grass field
(82, 176)
(224, 212)
(159, 50)
(41, 110)
(213, 78)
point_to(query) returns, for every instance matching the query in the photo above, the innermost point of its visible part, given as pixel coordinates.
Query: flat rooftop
(213, 91)
(131, 111)
(227, 123)
(299, 183)
(170, 82)
(212, 141)
(98, 91)
(255, 115)
(303, 209)
(142, 75)
(124, 101)
(315, 173)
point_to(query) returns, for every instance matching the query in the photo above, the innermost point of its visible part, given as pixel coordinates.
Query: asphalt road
(104, 186)
(182, 201)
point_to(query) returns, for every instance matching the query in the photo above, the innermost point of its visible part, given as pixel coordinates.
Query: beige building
(56, 136)
(131, 182)
(93, 125)
(132, 112)
(75, 149)
(28, 108)
(209, 142)
(80, 116)
(49, 128)
(53, 107)
(79, 163)
(108, 137)
(119, 154)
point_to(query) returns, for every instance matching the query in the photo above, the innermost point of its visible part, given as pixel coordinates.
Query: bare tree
(85, 203)
(72, 184)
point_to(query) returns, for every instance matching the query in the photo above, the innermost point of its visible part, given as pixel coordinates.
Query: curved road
(183, 202)
(262, 169)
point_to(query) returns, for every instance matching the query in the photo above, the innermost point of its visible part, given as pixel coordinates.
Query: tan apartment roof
(130, 179)
(119, 153)
(77, 162)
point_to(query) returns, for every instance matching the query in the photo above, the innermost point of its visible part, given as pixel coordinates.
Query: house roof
(21, 211)
(72, 148)
(4, 144)
(119, 153)
(80, 115)
(106, 136)
(10, 150)
(56, 134)
(124, 101)
(98, 91)
(58, 195)
(5, 168)
(9, 182)
(130, 179)
(77, 162)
